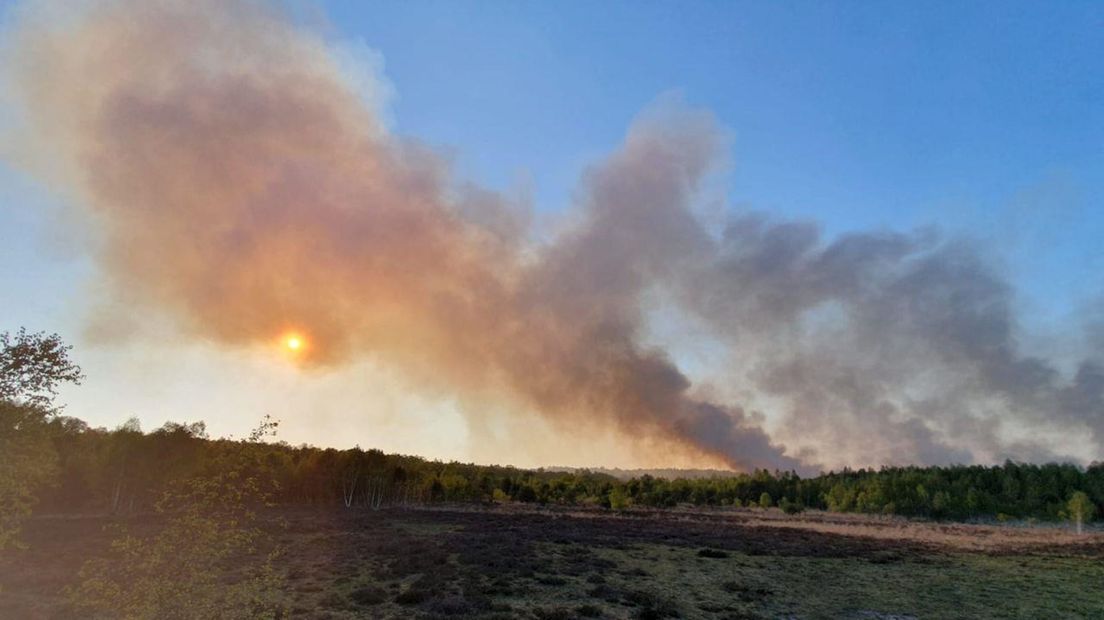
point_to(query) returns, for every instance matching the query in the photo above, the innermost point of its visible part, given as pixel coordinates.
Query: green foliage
(790, 507)
(29, 463)
(32, 366)
(1081, 508)
(206, 561)
(181, 571)
(124, 471)
(618, 500)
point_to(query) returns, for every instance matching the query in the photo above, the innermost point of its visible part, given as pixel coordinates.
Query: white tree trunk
(348, 488)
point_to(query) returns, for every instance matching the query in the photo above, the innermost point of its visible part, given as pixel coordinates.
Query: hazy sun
(293, 343)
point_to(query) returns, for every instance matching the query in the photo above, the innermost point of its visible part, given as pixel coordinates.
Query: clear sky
(984, 119)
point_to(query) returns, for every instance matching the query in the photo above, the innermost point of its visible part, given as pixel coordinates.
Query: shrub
(368, 596)
(183, 566)
(712, 553)
(179, 572)
(412, 596)
(451, 606)
(618, 499)
(791, 507)
(652, 606)
(555, 613)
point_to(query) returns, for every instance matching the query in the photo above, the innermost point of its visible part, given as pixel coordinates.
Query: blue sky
(983, 119)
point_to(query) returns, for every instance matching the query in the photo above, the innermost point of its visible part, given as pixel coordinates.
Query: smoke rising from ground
(241, 184)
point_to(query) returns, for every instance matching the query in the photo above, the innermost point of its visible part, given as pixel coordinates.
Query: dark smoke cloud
(902, 348)
(242, 185)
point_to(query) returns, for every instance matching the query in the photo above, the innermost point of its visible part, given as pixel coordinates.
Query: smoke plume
(240, 183)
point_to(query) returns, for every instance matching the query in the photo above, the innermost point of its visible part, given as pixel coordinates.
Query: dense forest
(124, 471)
(58, 464)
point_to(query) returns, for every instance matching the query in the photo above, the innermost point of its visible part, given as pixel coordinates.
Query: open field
(507, 563)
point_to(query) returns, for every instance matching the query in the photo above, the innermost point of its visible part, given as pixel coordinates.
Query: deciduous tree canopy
(125, 470)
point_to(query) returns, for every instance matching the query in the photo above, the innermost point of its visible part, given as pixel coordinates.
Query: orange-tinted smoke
(244, 187)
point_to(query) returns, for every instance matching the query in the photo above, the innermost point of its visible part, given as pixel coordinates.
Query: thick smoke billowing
(901, 348)
(242, 185)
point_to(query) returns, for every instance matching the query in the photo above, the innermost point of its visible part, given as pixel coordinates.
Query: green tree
(211, 533)
(840, 498)
(790, 507)
(31, 368)
(29, 464)
(1081, 508)
(765, 500)
(618, 499)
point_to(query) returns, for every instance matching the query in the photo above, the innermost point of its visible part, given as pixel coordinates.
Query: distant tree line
(125, 470)
(56, 463)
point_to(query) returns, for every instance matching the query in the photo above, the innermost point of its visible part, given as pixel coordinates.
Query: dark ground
(512, 563)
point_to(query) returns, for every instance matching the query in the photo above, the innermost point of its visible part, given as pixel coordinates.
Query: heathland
(171, 523)
(514, 561)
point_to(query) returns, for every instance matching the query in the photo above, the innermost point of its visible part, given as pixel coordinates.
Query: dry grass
(963, 536)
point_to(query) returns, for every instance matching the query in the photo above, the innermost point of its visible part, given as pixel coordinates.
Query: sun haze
(294, 342)
(791, 266)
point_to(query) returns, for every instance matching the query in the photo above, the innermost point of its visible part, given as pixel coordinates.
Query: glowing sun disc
(293, 343)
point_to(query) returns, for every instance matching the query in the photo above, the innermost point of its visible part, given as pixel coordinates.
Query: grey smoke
(256, 193)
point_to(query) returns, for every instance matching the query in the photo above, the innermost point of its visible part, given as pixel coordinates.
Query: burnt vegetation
(455, 561)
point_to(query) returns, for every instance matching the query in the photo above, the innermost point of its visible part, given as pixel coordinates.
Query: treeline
(125, 471)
